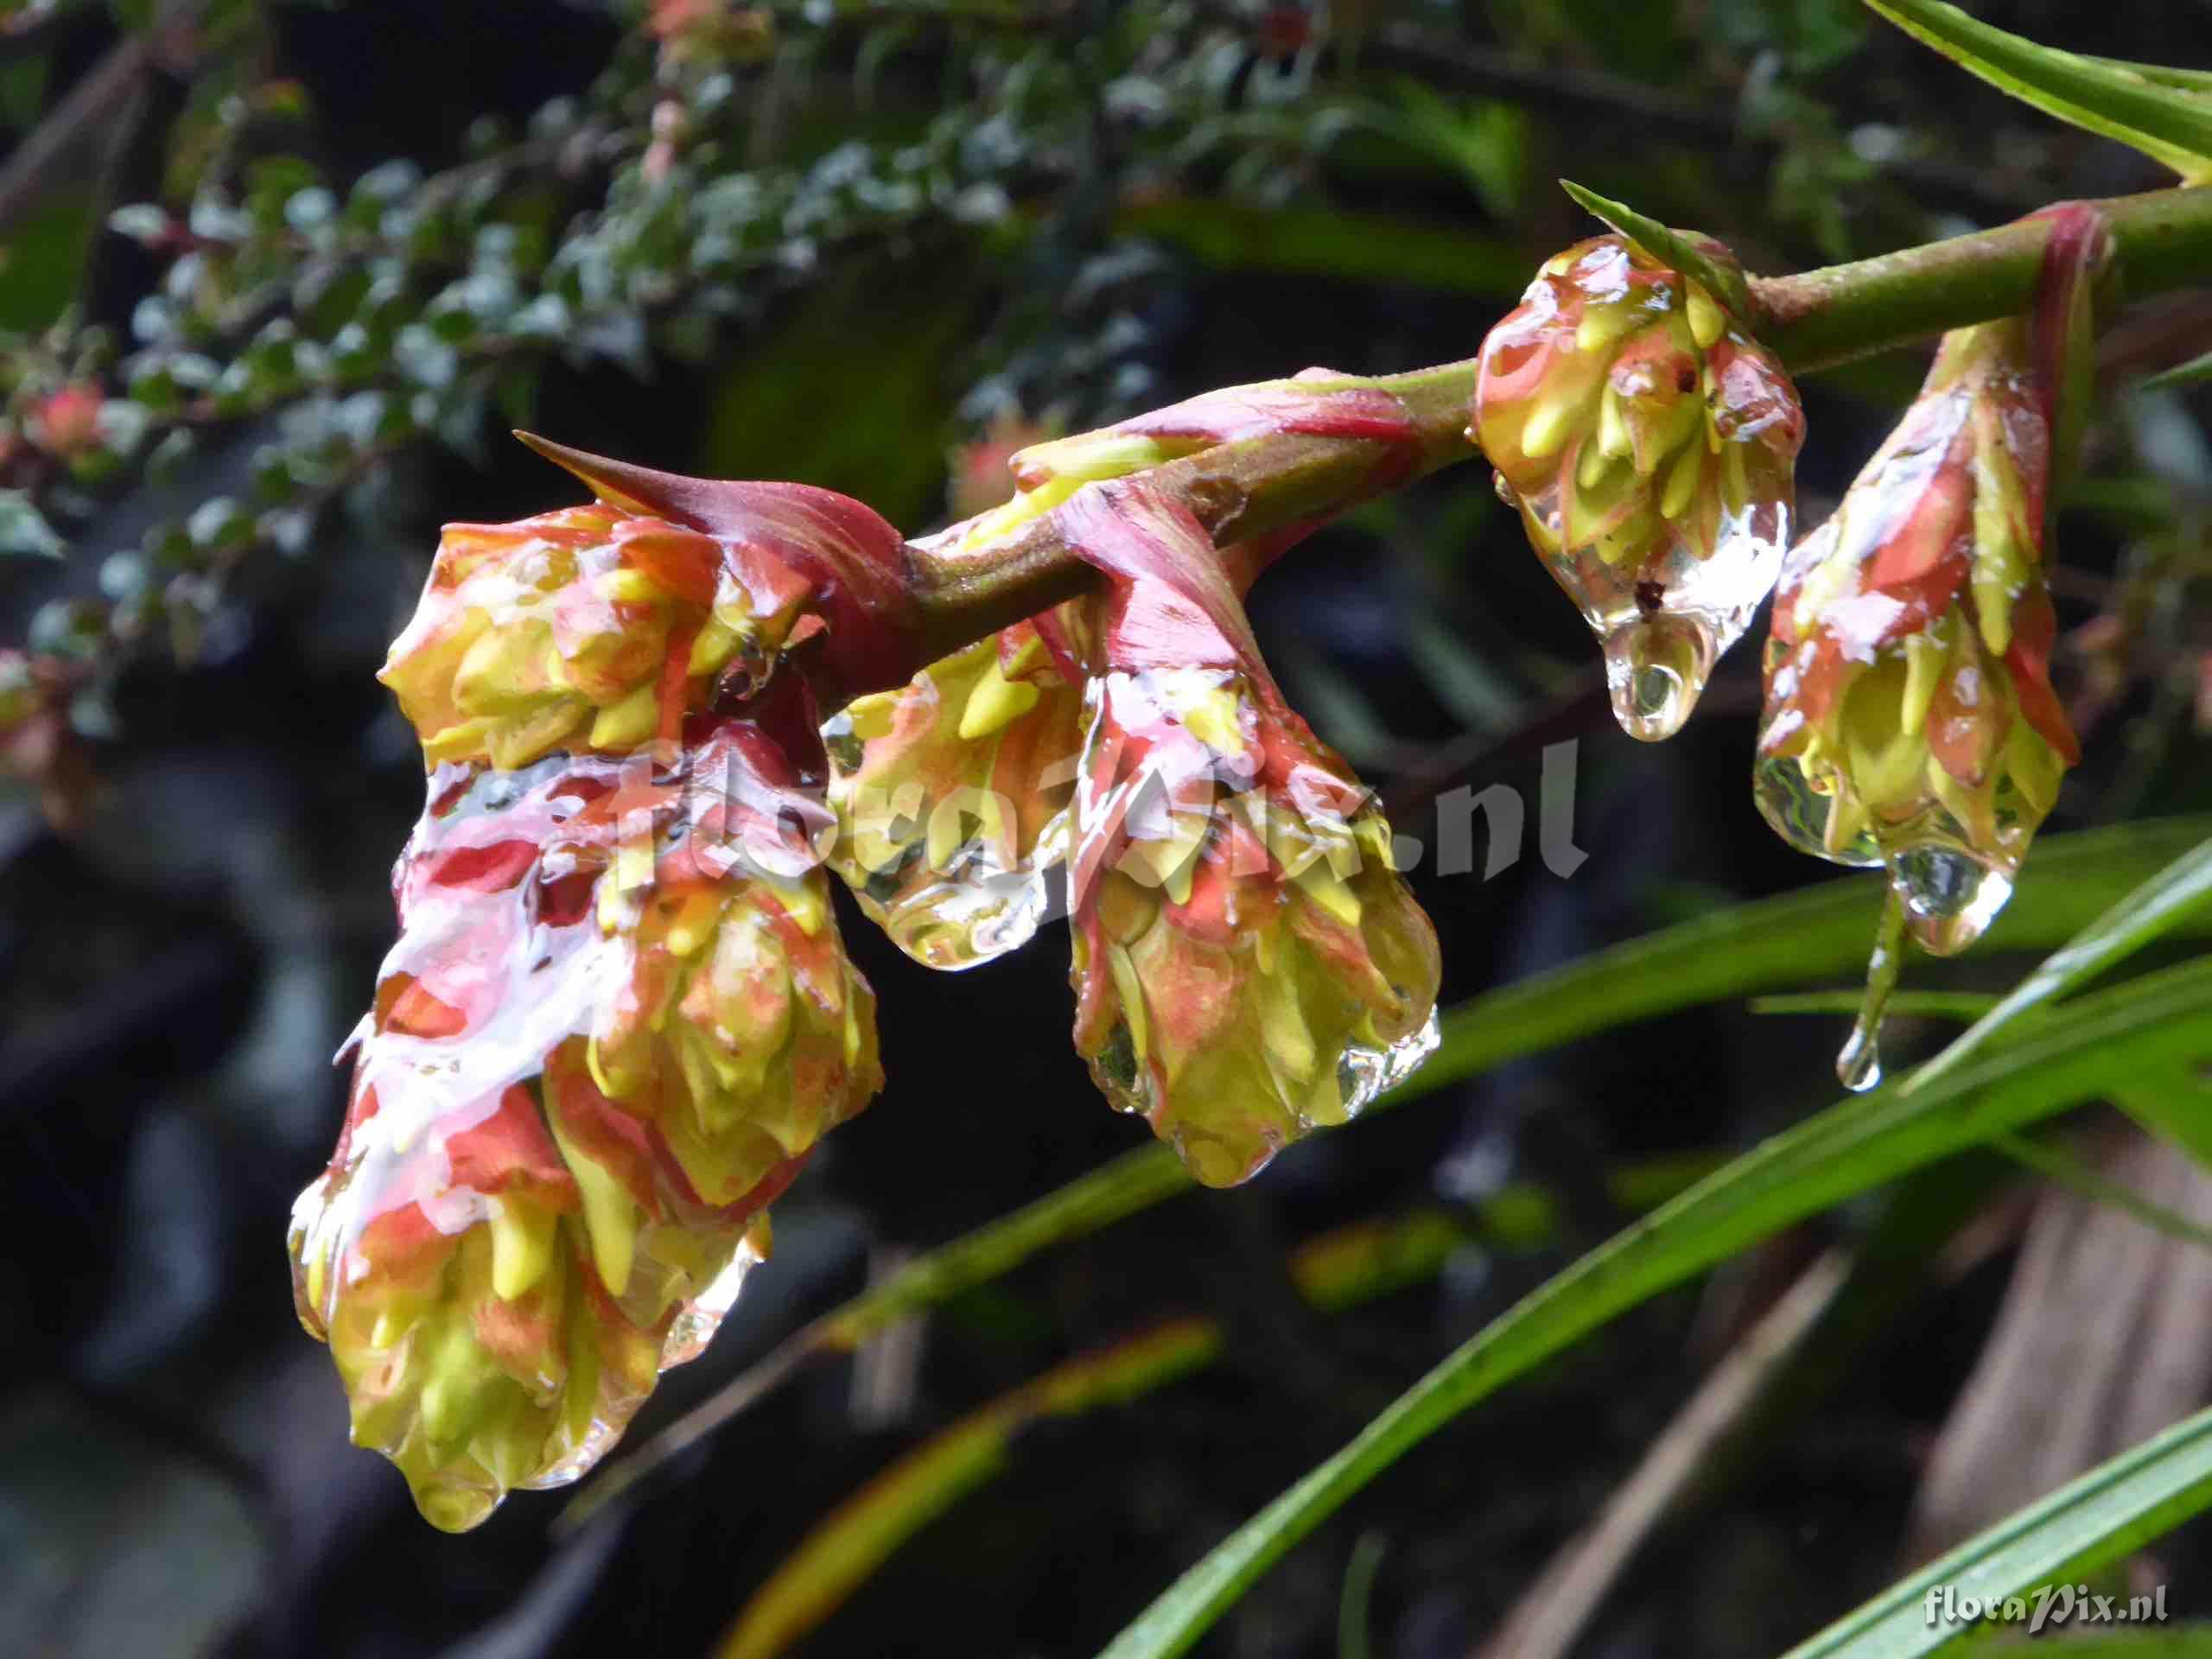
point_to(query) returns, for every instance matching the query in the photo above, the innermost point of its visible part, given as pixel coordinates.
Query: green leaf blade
(1670, 247)
(1852, 1147)
(2088, 1524)
(2171, 123)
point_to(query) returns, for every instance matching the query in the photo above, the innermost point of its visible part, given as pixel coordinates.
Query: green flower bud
(1910, 720)
(1649, 444)
(1248, 965)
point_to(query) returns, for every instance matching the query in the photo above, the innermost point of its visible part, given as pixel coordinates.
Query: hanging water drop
(1656, 667)
(1858, 1066)
(1949, 897)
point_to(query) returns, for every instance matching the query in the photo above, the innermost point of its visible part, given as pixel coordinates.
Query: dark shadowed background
(892, 237)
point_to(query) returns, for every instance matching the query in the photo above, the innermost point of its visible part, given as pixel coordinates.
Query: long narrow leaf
(2171, 124)
(2113, 1510)
(2160, 1021)
(2177, 1107)
(2149, 1641)
(1809, 935)
(2182, 374)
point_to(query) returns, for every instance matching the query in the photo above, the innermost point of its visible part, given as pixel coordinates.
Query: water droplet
(1950, 897)
(1803, 812)
(1505, 491)
(1364, 1072)
(1859, 1066)
(1656, 667)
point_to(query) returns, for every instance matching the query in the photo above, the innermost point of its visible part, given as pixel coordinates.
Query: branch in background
(90, 111)
(1559, 1603)
(1616, 102)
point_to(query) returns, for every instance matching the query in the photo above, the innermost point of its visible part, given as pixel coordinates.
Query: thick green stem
(1814, 319)
(1237, 489)
(2160, 240)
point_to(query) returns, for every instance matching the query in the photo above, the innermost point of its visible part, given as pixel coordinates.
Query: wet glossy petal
(587, 628)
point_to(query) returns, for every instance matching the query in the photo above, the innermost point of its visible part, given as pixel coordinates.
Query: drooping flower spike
(1651, 444)
(617, 1018)
(1248, 965)
(1910, 718)
(572, 1101)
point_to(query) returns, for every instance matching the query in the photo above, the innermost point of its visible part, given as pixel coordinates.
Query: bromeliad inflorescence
(619, 1016)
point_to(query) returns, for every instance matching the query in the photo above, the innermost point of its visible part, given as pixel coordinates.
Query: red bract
(1316, 403)
(852, 561)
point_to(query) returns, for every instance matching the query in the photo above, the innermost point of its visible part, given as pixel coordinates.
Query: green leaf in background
(2112, 1510)
(1671, 248)
(1800, 936)
(2177, 1108)
(2154, 1642)
(895, 326)
(2165, 114)
(24, 530)
(2158, 1021)
(2196, 370)
(2168, 898)
(1323, 242)
(2063, 1169)
(1486, 142)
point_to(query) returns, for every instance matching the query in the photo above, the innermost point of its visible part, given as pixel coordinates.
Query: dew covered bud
(1651, 445)
(617, 1018)
(1247, 963)
(1910, 720)
(952, 793)
(586, 629)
